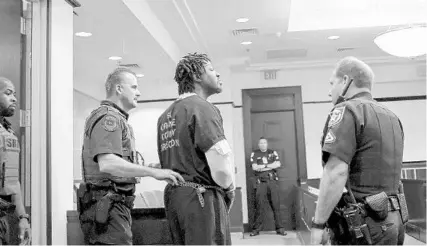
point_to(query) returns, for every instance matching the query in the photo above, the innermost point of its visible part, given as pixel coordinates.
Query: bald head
(117, 77)
(4, 82)
(355, 69)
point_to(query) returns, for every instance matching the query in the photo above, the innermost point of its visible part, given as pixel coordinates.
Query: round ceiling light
(242, 20)
(83, 34)
(404, 42)
(246, 42)
(333, 37)
(139, 75)
(115, 58)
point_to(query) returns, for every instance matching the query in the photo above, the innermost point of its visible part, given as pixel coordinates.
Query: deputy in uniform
(264, 163)
(362, 146)
(191, 141)
(10, 188)
(110, 165)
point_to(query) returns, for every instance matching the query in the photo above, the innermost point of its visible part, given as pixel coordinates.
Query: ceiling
(155, 33)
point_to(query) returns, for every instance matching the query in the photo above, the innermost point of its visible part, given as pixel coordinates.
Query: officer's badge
(336, 116)
(330, 137)
(110, 123)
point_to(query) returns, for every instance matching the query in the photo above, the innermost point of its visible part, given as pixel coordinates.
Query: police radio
(342, 98)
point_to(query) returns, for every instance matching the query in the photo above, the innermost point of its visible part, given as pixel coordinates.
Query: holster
(404, 213)
(6, 207)
(377, 205)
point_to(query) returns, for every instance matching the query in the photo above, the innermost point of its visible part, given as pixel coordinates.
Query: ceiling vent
(245, 32)
(345, 49)
(129, 65)
(280, 54)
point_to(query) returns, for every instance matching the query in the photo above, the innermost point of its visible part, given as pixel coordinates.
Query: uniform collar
(185, 95)
(111, 104)
(5, 123)
(364, 95)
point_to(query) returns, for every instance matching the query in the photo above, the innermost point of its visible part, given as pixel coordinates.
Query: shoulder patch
(330, 137)
(111, 123)
(336, 116)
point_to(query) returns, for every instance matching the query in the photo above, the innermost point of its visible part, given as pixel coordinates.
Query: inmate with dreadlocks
(191, 141)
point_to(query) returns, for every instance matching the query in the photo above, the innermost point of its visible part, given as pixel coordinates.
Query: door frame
(247, 94)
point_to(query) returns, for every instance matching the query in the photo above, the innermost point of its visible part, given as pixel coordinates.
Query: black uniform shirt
(185, 131)
(261, 158)
(369, 137)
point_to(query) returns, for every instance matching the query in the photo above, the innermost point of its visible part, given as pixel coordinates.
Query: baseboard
(300, 238)
(247, 227)
(416, 232)
(236, 229)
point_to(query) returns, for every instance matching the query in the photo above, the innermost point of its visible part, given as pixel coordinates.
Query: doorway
(276, 114)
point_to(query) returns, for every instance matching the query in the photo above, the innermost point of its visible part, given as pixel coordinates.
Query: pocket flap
(378, 202)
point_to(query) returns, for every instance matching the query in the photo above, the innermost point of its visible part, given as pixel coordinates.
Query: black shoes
(254, 233)
(281, 232)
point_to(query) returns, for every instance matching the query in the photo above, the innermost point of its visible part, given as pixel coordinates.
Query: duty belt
(200, 189)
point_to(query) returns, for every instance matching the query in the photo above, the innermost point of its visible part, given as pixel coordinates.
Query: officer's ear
(197, 79)
(345, 79)
(119, 88)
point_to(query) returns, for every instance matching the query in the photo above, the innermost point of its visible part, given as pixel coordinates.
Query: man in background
(10, 187)
(264, 164)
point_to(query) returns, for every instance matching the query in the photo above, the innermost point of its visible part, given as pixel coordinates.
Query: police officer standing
(110, 165)
(10, 188)
(264, 163)
(191, 141)
(362, 150)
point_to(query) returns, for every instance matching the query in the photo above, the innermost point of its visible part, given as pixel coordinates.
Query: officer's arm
(276, 163)
(337, 152)
(117, 166)
(332, 183)
(209, 137)
(255, 166)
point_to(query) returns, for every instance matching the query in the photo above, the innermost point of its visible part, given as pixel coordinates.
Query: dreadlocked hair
(188, 67)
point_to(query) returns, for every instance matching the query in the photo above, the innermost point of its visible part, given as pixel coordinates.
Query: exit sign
(270, 74)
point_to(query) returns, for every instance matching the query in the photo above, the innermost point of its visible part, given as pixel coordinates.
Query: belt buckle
(394, 203)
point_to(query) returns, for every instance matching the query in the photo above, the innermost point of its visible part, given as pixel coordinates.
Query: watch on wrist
(24, 216)
(317, 225)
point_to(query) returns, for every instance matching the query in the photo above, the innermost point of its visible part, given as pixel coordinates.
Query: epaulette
(96, 115)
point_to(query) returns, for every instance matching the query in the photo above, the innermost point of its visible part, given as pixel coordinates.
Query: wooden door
(276, 114)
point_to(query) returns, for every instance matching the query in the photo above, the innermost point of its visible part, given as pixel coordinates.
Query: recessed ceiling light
(242, 20)
(83, 34)
(115, 58)
(333, 37)
(246, 42)
(139, 75)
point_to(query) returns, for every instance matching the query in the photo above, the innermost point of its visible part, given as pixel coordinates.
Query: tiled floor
(270, 238)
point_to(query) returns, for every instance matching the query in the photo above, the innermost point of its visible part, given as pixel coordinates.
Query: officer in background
(362, 149)
(10, 188)
(264, 163)
(110, 165)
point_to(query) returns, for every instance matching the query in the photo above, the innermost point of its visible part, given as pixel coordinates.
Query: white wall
(398, 79)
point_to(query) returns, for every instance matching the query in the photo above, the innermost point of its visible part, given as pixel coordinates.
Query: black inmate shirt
(185, 131)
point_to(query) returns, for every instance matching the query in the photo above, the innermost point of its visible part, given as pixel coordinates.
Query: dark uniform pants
(116, 231)
(190, 224)
(386, 232)
(267, 191)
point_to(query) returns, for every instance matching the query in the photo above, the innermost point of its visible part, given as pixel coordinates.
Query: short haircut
(115, 78)
(190, 66)
(262, 138)
(360, 72)
(3, 81)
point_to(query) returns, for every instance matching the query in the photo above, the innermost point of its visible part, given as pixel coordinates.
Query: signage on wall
(270, 74)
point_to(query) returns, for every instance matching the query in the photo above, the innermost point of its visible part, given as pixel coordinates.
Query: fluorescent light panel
(311, 15)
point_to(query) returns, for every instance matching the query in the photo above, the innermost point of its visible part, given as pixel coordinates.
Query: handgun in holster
(348, 220)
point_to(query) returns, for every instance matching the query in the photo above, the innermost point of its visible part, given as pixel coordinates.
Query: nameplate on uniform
(11, 144)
